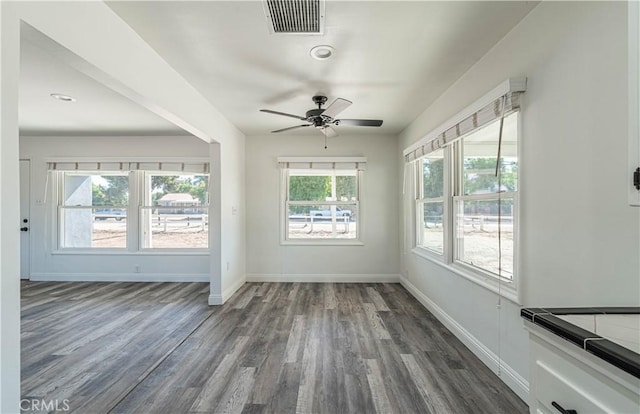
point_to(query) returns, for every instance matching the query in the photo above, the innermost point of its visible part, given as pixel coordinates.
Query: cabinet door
(634, 99)
(564, 374)
(554, 388)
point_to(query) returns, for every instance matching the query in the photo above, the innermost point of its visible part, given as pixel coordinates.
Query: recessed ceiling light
(321, 52)
(64, 98)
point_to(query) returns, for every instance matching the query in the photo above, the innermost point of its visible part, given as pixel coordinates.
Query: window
(175, 211)
(430, 204)
(93, 210)
(466, 215)
(481, 223)
(322, 205)
(131, 209)
(321, 199)
(484, 221)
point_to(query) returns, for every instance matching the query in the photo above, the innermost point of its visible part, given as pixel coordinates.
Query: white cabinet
(565, 377)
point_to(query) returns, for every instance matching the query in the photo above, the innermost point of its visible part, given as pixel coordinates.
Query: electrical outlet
(228, 266)
(137, 269)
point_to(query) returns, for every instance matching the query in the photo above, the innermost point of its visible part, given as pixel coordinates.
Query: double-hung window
(485, 203)
(88, 200)
(321, 200)
(430, 206)
(175, 211)
(466, 190)
(132, 207)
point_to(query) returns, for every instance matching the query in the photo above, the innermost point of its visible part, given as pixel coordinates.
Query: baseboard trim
(118, 277)
(226, 295)
(215, 300)
(325, 278)
(509, 376)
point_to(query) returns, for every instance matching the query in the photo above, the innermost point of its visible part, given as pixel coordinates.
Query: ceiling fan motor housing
(315, 117)
(314, 113)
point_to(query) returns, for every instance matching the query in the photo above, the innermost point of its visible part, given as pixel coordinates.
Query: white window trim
(447, 211)
(508, 289)
(134, 229)
(58, 223)
(283, 202)
(141, 184)
(485, 278)
(123, 252)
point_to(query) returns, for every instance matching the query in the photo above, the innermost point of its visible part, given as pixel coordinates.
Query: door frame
(25, 274)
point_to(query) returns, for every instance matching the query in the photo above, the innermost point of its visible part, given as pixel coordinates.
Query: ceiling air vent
(295, 16)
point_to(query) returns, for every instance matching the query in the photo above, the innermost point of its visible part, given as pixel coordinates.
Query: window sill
(504, 289)
(321, 243)
(428, 254)
(114, 252)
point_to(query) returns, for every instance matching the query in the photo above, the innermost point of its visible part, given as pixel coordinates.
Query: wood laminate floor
(273, 348)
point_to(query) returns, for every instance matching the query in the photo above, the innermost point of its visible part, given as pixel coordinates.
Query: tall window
(430, 205)
(466, 215)
(483, 204)
(132, 209)
(93, 210)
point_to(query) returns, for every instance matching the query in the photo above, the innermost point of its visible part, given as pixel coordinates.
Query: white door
(25, 220)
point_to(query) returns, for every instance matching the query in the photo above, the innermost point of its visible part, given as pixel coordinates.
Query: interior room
(330, 206)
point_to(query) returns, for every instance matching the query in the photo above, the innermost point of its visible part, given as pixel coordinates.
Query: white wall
(9, 214)
(267, 259)
(579, 238)
(233, 213)
(47, 265)
(116, 56)
(93, 39)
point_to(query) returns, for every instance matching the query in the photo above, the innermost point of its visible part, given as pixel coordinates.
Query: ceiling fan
(323, 119)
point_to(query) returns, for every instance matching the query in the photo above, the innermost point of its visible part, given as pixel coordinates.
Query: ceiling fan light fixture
(321, 52)
(64, 98)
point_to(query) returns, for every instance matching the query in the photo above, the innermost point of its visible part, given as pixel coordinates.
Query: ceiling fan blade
(283, 114)
(359, 122)
(329, 132)
(293, 127)
(336, 107)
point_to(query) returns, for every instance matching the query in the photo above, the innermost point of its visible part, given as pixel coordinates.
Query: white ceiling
(392, 60)
(98, 110)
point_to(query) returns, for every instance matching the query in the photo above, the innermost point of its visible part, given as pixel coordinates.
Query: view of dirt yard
(169, 231)
(478, 241)
(304, 228)
(479, 244)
